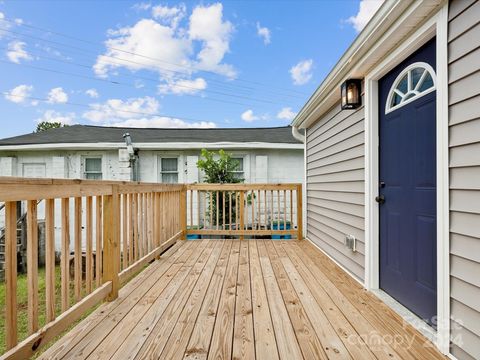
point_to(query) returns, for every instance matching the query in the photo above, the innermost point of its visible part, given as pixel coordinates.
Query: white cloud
(367, 9)
(93, 93)
(57, 96)
(141, 6)
(302, 72)
(55, 116)
(152, 40)
(7, 24)
(249, 116)
(114, 109)
(162, 122)
(286, 113)
(16, 52)
(264, 33)
(169, 42)
(183, 86)
(207, 26)
(169, 16)
(19, 94)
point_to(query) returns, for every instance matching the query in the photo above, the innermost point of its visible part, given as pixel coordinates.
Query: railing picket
(50, 259)
(299, 213)
(124, 231)
(65, 255)
(89, 237)
(32, 266)
(242, 212)
(284, 209)
(135, 226)
(98, 243)
(11, 274)
(78, 249)
(291, 208)
(259, 208)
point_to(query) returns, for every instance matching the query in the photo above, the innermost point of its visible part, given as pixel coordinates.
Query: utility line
(130, 85)
(112, 109)
(156, 81)
(136, 54)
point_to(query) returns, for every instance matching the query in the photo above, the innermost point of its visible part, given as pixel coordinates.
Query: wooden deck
(223, 299)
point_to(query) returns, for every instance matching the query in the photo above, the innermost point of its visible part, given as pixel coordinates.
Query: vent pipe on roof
(297, 134)
(133, 157)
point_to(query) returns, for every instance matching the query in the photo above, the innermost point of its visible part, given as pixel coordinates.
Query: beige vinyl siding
(464, 141)
(336, 186)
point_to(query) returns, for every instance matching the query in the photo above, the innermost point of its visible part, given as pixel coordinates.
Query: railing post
(111, 243)
(11, 274)
(299, 212)
(242, 212)
(183, 212)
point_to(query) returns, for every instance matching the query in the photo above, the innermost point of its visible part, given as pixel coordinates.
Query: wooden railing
(244, 210)
(105, 232)
(116, 228)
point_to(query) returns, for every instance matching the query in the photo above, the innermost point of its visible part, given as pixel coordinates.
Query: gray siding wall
(464, 112)
(335, 186)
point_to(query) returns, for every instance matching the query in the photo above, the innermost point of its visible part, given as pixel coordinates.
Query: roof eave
(326, 94)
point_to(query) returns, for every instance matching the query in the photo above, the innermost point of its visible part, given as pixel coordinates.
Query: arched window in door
(414, 81)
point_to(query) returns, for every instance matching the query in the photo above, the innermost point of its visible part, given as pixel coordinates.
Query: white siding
(335, 186)
(464, 112)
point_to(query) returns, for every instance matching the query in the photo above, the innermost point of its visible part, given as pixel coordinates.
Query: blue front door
(407, 178)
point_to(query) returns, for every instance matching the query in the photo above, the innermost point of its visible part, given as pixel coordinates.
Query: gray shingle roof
(99, 134)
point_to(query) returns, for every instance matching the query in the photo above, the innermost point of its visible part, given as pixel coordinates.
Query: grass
(22, 305)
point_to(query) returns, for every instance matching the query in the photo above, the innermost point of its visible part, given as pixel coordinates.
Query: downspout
(297, 135)
(300, 137)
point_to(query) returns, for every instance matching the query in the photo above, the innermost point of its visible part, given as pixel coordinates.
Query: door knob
(380, 199)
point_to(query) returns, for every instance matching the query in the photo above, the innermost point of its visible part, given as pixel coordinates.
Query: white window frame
(437, 25)
(84, 165)
(407, 70)
(236, 156)
(179, 167)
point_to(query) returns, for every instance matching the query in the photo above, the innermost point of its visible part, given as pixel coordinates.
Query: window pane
(427, 83)
(416, 75)
(169, 164)
(93, 176)
(94, 165)
(403, 85)
(396, 99)
(240, 164)
(170, 178)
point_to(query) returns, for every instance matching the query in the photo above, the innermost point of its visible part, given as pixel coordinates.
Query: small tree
(45, 125)
(219, 168)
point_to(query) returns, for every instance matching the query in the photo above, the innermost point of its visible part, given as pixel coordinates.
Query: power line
(150, 58)
(213, 91)
(112, 109)
(130, 85)
(138, 63)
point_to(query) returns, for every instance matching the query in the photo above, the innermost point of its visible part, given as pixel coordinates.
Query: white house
(393, 164)
(265, 155)
(159, 155)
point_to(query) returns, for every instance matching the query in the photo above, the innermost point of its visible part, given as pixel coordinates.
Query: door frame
(436, 25)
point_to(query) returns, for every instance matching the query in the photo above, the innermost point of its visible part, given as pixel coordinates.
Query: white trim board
(437, 26)
(154, 146)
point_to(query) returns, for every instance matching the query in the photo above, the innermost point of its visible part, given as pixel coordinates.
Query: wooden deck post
(183, 212)
(11, 273)
(111, 245)
(299, 212)
(242, 212)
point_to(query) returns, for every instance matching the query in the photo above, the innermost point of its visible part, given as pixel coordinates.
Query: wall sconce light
(351, 91)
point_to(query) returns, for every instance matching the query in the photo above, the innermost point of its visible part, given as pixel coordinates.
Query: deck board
(251, 299)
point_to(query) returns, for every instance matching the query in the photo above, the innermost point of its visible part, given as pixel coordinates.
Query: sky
(168, 64)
